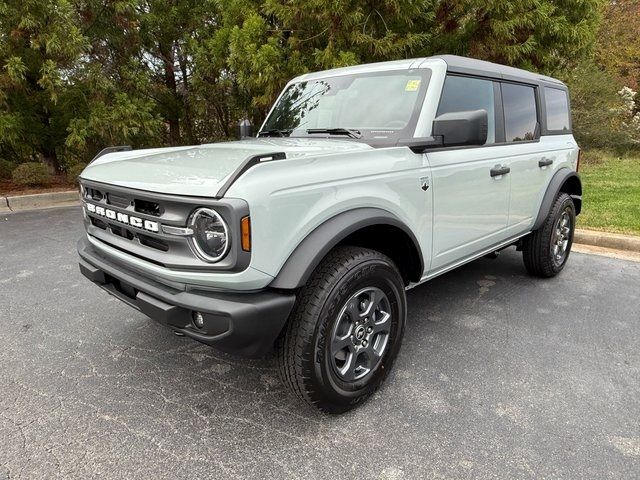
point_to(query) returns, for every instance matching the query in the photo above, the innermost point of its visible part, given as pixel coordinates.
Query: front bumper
(241, 323)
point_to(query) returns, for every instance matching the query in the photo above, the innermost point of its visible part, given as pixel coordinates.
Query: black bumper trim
(241, 323)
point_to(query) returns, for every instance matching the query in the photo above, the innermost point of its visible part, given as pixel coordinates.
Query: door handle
(545, 162)
(499, 170)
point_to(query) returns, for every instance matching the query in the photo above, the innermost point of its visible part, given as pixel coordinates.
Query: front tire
(545, 251)
(345, 330)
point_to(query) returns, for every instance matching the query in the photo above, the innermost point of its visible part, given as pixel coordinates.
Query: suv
(362, 182)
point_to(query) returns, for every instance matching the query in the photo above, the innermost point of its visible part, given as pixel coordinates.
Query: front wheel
(345, 330)
(546, 250)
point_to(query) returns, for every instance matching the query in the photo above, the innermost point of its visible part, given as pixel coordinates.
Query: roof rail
(246, 165)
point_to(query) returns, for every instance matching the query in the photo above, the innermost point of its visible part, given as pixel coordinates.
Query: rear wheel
(546, 250)
(345, 330)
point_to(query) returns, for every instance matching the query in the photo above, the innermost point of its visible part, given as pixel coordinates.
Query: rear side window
(557, 106)
(520, 116)
(461, 94)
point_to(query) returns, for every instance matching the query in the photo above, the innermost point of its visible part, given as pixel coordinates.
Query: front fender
(309, 253)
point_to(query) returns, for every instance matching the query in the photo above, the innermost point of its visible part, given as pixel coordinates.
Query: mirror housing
(244, 129)
(420, 144)
(462, 128)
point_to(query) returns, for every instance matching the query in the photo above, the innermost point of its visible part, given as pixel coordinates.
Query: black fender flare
(555, 187)
(314, 247)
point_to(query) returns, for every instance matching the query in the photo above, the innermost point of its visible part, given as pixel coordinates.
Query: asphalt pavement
(500, 376)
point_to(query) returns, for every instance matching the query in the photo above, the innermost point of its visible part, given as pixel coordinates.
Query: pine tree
(40, 43)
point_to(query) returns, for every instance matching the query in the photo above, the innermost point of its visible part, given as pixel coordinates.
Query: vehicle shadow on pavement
(207, 381)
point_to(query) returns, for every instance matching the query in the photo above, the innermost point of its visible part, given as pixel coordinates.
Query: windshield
(381, 106)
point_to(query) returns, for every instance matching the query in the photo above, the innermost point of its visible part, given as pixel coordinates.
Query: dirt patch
(59, 183)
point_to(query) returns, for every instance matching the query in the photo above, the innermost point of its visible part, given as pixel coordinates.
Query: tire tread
(294, 348)
(535, 252)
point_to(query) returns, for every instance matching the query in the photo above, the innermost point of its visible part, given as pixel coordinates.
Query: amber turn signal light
(245, 229)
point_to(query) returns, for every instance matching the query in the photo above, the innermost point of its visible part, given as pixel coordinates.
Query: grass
(611, 192)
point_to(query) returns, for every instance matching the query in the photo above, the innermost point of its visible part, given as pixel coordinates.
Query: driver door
(470, 195)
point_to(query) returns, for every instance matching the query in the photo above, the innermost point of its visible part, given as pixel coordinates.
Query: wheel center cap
(360, 332)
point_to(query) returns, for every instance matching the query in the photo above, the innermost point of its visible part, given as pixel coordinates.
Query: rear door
(530, 163)
(470, 206)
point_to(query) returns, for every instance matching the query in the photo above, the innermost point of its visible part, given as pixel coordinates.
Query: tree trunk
(50, 159)
(186, 98)
(173, 117)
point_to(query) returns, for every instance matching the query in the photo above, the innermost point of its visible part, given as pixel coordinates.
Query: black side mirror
(462, 128)
(244, 129)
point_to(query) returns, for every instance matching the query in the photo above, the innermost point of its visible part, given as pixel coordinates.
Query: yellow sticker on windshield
(412, 86)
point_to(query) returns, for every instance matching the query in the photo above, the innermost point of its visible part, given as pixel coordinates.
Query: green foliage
(6, 168)
(600, 118)
(78, 76)
(31, 174)
(535, 34)
(74, 171)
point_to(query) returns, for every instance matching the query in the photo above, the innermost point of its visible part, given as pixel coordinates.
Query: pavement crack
(6, 201)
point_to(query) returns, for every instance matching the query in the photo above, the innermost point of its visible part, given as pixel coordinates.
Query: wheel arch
(565, 181)
(373, 228)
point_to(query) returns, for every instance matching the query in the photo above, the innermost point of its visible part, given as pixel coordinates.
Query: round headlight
(210, 234)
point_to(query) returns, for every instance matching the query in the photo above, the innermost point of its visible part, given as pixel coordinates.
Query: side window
(520, 117)
(464, 93)
(557, 106)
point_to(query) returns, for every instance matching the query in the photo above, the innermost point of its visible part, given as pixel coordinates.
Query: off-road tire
(305, 362)
(537, 247)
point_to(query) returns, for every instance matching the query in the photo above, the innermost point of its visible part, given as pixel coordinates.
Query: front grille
(113, 208)
(122, 232)
(118, 200)
(148, 208)
(94, 194)
(99, 223)
(153, 242)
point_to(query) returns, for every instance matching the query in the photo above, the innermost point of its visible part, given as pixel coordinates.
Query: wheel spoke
(360, 335)
(372, 354)
(371, 304)
(353, 309)
(340, 343)
(348, 369)
(383, 324)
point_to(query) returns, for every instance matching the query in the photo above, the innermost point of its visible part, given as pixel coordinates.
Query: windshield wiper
(350, 132)
(274, 133)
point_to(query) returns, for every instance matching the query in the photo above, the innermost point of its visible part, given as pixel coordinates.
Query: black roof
(471, 66)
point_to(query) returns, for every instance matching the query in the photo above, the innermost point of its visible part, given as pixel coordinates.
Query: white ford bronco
(362, 183)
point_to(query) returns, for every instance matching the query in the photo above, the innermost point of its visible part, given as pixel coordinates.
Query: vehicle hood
(200, 170)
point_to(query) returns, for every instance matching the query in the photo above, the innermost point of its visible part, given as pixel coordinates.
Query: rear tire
(345, 330)
(545, 251)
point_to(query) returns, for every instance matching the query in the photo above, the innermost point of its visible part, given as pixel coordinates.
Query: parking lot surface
(500, 376)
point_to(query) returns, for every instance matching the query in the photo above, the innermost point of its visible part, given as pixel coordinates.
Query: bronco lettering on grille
(123, 218)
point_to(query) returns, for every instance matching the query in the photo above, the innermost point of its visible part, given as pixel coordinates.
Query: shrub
(31, 174)
(6, 167)
(74, 171)
(601, 115)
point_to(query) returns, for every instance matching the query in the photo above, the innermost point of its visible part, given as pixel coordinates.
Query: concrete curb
(14, 203)
(614, 241)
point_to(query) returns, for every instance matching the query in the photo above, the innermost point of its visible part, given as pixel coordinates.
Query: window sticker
(412, 86)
